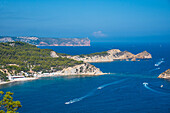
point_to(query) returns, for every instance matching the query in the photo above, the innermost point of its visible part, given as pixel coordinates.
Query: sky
(100, 20)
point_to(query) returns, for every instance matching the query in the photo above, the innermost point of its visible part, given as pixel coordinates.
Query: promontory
(108, 56)
(165, 75)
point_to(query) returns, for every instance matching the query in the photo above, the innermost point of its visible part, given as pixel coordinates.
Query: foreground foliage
(7, 104)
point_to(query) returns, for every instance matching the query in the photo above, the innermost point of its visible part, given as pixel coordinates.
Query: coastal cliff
(143, 55)
(38, 41)
(110, 55)
(82, 69)
(165, 75)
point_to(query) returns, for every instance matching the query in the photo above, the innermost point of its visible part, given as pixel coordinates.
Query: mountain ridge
(39, 41)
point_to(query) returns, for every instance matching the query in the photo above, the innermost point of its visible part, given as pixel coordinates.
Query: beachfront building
(15, 77)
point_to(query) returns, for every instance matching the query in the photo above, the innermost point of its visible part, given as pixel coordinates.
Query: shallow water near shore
(121, 91)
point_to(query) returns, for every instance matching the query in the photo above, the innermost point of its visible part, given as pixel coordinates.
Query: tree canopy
(27, 56)
(7, 104)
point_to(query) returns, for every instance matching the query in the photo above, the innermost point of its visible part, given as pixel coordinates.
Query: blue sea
(122, 91)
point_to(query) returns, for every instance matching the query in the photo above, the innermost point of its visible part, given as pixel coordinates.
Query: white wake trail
(115, 82)
(92, 92)
(147, 87)
(155, 69)
(81, 98)
(160, 62)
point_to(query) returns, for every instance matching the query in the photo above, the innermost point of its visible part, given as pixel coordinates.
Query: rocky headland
(82, 69)
(108, 56)
(165, 75)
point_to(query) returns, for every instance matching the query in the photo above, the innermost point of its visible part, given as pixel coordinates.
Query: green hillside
(27, 57)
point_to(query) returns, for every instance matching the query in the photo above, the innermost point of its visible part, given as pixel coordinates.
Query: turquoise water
(122, 91)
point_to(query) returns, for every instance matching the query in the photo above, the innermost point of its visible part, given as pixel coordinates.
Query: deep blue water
(122, 91)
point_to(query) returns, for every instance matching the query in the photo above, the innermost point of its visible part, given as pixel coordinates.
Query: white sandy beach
(49, 75)
(20, 79)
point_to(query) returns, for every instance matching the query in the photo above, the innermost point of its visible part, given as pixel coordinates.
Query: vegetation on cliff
(3, 76)
(20, 56)
(111, 55)
(104, 53)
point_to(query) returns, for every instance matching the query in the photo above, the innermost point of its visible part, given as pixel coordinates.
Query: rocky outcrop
(96, 58)
(165, 75)
(111, 55)
(53, 54)
(82, 69)
(143, 55)
(123, 55)
(133, 59)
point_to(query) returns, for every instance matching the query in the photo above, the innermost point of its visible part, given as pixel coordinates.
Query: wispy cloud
(99, 34)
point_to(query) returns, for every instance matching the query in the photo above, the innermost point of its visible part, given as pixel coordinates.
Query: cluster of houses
(21, 76)
(25, 75)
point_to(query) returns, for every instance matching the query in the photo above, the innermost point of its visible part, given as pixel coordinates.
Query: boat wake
(79, 99)
(155, 69)
(160, 62)
(105, 85)
(93, 91)
(147, 87)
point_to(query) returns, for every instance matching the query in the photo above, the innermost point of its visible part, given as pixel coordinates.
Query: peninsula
(109, 56)
(21, 60)
(165, 75)
(38, 41)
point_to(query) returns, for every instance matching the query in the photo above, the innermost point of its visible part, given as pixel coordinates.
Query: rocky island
(38, 41)
(109, 56)
(23, 61)
(165, 75)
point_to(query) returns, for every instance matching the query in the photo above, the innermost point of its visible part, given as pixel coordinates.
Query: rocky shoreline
(165, 75)
(82, 69)
(107, 56)
(85, 69)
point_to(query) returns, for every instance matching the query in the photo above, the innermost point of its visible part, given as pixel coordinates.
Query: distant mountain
(48, 41)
